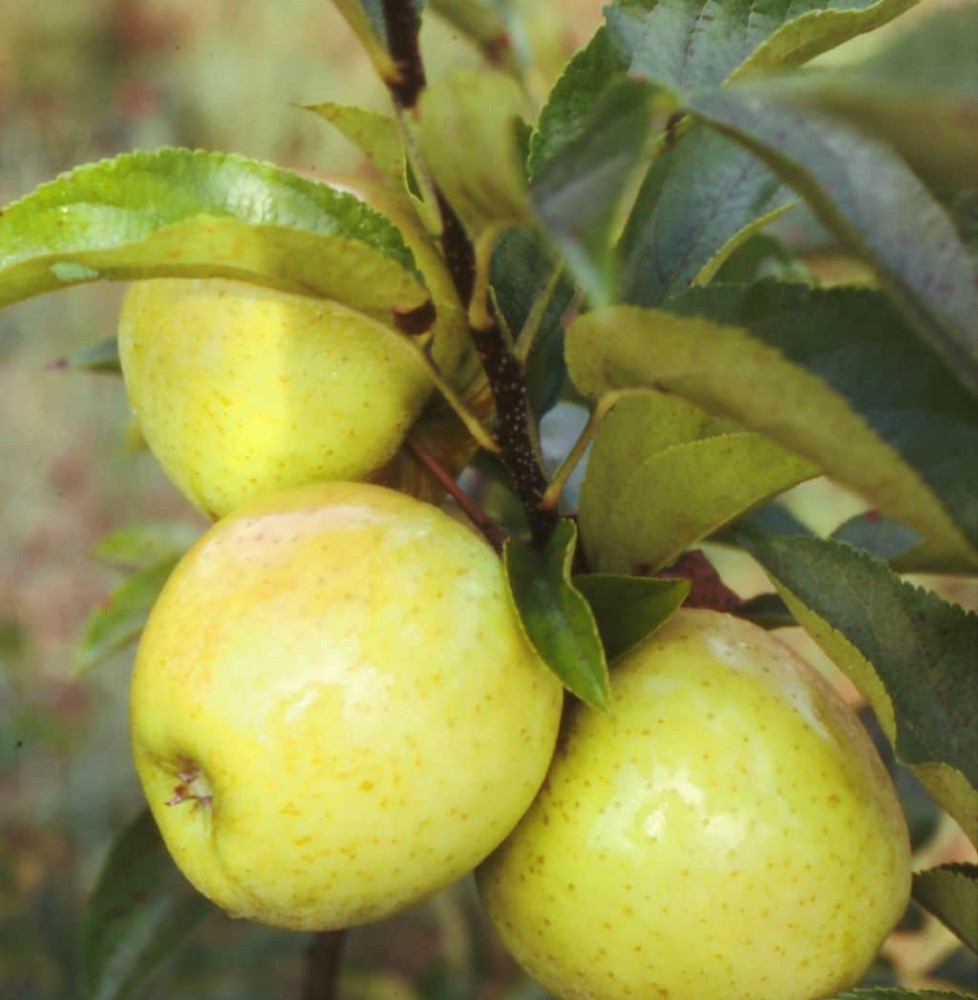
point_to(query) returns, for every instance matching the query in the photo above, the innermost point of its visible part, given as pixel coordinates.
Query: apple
(727, 831)
(334, 709)
(242, 390)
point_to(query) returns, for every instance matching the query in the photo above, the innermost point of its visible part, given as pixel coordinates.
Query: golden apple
(334, 710)
(242, 390)
(728, 831)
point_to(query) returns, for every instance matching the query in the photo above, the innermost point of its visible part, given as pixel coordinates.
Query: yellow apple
(334, 711)
(242, 390)
(727, 832)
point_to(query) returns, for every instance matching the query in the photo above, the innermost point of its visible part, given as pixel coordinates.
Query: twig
(401, 18)
(324, 960)
(493, 533)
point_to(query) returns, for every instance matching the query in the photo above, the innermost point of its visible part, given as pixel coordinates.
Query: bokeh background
(85, 79)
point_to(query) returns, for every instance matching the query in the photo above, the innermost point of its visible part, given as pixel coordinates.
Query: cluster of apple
(336, 712)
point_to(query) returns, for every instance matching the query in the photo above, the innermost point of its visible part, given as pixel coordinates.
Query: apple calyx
(193, 786)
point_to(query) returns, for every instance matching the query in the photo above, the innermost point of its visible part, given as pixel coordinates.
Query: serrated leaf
(141, 546)
(702, 197)
(196, 214)
(920, 95)
(467, 133)
(687, 45)
(578, 192)
(119, 621)
(837, 376)
(662, 475)
(951, 894)
(874, 204)
(377, 135)
(141, 911)
(628, 609)
(574, 97)
(913, 655)
(522, 269)
(555, 615)
(101, 357)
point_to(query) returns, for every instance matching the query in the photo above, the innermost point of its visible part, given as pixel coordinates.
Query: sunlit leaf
(377, 135)
(951, 894)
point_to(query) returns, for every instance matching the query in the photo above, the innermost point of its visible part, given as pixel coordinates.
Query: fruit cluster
(336, 712)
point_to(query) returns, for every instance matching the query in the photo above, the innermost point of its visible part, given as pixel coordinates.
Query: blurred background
(85, 79)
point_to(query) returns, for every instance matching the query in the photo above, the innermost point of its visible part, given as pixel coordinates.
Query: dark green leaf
(142, 546)
(951, 894)
(199, 214)
(835, 375)
(702, 197)
(687, 45)
(763, 257)
(102, 357)
(555, 615)
(766, 610)
(574, 97)
(874, 204)
(628, 609)
(141, 911)
(878, 535)
(522, 269)
(578, 192)
(913, 655)
(120, 619)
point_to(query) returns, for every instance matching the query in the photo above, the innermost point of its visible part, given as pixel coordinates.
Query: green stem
(534, 320)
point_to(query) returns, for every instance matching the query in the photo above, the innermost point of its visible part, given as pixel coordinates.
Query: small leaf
(179, 212)
(468, 138)
(911, 654)
(662, 475)
(687, 45)
(628, 609)
(120, 620)
(836, 376)
(874, 204)
(102, 357)
(141, 911)
(485, 23)
(702, 197)
(141, 546)
(555, 615)
(578, 193)
(377, 135)
(951, 894)
(574, 97)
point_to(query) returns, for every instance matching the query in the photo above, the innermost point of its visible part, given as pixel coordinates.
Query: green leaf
(102, 357)
(951, 894)
(377, 135)
(762, 257)
(766, 610)
(200, 214)
(837, 376)
(574, 97)
(467, 133)
(555, 615)
(874, 204)
(485, 24)
(920, 95)
(628, 609)
(877, 535)
(578, 192)
(702, 197)
(120, 619)
(687, 45)
(141, 911)
(662, 475)
(910, 653)
(142, 546)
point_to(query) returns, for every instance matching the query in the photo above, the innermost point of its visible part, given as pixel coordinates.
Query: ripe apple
(242, 390)
(334, 710)
(728, 831)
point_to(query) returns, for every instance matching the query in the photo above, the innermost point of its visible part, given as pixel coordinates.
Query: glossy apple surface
(242, 390)
(729, 831)
(334, 711)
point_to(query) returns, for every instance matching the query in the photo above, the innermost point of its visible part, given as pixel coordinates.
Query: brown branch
(324, 960)
(492, 532)
(403, 27)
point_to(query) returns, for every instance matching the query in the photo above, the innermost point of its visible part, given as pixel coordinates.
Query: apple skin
(334, 711)
(242, 390)
(728, 831)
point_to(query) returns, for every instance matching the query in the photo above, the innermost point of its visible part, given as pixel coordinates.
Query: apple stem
(324, 962)
(515, 429)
